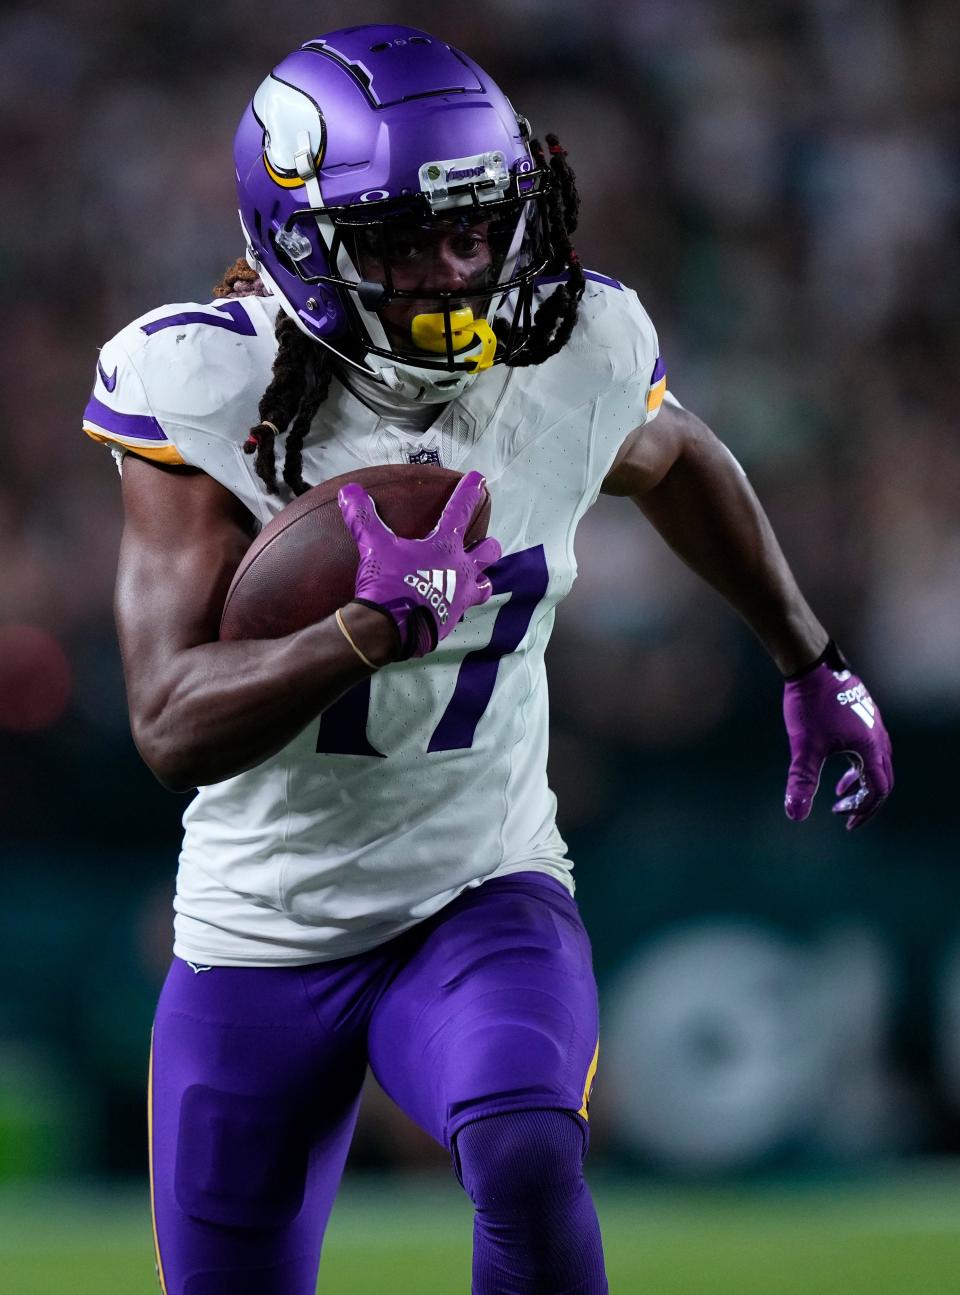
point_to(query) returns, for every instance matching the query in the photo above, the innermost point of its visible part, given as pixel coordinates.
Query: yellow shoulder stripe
(655, 395)
(168, 454)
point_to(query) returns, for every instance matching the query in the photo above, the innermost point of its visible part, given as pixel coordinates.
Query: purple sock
(535, 1229)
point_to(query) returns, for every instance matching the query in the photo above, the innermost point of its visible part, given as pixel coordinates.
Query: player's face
(446, 256)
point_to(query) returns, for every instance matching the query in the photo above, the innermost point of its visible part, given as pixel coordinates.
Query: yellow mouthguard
(429, 333)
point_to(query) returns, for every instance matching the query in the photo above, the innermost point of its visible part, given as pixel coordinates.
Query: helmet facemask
(436, 286)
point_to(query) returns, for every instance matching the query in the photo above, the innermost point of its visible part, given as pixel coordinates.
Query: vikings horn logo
(286, 114)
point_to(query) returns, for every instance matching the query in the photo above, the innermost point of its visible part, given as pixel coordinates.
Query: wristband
(831, 656)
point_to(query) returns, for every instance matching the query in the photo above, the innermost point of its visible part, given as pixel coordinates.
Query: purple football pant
(488, 1007)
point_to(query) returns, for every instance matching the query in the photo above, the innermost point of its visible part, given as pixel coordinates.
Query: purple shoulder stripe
(142, 426)
(603, 278)
(659, 371)
(587, 274)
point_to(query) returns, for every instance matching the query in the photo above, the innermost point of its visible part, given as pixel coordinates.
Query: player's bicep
(649, 452)
(183, 538)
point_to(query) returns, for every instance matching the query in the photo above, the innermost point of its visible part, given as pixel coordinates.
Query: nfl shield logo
(425, 456)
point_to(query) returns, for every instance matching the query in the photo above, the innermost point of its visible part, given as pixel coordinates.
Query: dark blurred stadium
(778, 181)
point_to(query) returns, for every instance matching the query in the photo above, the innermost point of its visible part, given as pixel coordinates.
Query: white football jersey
(430, 777)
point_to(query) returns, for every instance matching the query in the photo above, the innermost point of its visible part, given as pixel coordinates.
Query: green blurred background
(778, 1103)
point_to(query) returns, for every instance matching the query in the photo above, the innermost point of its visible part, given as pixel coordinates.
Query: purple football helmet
(356, 151)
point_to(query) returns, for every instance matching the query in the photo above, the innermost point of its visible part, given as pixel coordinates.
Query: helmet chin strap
(420, 386)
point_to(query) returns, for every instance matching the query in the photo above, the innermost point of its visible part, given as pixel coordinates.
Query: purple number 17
(523, 575)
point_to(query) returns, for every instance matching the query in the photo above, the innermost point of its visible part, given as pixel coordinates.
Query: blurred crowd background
(778, 181)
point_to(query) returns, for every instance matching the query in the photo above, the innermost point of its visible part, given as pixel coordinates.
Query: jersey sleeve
(118, 413)
(635, 348)
(632, 381)
(181, 384)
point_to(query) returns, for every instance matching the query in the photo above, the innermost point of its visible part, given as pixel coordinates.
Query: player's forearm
(226, 707)
(707, 511)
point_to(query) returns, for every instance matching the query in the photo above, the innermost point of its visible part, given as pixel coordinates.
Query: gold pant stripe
(153, 1207)
(588, 1082)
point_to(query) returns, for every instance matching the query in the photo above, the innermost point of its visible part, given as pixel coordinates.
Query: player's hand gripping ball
(303, 565)
(828, 711)
(425, 585)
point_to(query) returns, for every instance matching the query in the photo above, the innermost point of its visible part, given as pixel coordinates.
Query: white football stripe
(451, 584)
(865, 715)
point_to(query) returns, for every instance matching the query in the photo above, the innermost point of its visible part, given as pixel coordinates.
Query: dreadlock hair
(555, 319)
(302, 370)
(240, 280)
(300, 383)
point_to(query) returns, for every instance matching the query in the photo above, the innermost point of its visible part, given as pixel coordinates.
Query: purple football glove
(426, 585)
(827, 710)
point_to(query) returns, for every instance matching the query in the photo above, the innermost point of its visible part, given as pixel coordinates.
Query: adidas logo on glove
(860, 702)
(437, 586)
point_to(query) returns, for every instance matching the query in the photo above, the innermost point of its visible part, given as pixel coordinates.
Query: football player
(371, 872)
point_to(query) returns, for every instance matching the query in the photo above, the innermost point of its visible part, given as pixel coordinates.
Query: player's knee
(239, 1161)
(520, 1158)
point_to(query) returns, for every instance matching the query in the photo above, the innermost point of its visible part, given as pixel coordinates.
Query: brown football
(303, 564)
